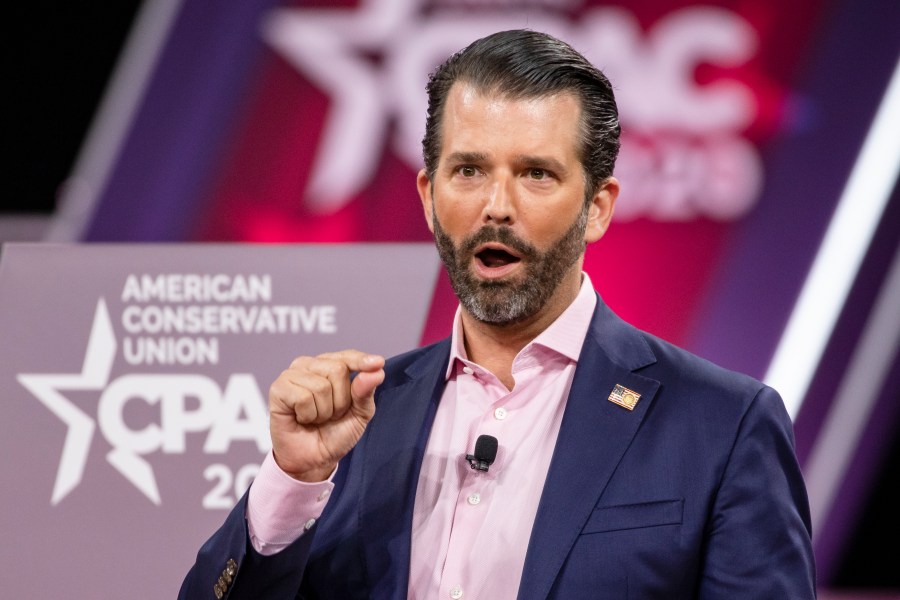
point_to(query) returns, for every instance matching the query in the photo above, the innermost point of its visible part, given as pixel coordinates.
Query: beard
(509, 302)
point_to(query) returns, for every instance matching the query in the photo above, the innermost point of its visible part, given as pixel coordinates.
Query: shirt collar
(565, 335)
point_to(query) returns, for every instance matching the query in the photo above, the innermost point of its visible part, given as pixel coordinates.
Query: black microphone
(485, 453)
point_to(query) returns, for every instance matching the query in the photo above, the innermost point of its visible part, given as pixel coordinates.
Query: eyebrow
(540, 162)
(466, 157)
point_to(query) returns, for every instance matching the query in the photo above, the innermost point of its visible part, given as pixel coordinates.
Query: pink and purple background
(220, 131)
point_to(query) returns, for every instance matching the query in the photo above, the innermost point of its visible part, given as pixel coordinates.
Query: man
(627, 468)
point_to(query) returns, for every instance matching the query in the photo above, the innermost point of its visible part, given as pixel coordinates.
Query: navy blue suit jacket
(696, 493)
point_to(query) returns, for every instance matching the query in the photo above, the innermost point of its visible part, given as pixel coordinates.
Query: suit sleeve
(228, 560)
(758, 539)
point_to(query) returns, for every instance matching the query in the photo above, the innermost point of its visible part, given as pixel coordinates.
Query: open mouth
(495, 257)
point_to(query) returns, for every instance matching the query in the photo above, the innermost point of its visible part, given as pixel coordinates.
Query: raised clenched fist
(317, 413)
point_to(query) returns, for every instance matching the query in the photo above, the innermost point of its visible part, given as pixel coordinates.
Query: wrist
(316, 474)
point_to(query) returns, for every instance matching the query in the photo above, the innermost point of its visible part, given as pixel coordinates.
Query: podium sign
(134, 382)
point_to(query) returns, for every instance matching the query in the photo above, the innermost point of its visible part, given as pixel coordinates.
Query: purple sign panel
(134, 382)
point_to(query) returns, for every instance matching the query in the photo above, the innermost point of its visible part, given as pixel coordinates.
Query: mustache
(503, 235)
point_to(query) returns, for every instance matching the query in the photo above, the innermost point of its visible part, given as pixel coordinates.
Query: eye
(468, 171)
(537, 174)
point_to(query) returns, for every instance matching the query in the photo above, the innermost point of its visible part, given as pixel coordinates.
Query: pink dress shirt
(470, 529)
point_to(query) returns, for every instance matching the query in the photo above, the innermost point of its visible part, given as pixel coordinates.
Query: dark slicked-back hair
(523, 64)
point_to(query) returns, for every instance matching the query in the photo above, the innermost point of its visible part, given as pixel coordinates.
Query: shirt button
(324, 495)
(456, 592)
(309, 524)
(474, 498)
(500, 413)
(468, 371)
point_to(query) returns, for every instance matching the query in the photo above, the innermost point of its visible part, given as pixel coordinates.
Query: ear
(424, 186)
(600, 211)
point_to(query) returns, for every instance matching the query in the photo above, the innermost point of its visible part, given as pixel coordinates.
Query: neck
(494, 347)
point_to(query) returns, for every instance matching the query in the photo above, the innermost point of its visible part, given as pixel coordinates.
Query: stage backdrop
(301, 121)
(134, 385)
(759, 149)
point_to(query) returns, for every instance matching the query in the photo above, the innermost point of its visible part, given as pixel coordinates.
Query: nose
(499, 208)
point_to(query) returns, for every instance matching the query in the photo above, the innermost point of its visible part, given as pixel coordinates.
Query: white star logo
(373, 61)
(325, 45)
(95, 371)
(333, 49)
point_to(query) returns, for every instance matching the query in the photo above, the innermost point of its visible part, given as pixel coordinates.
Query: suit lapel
(395, 444)
(593, 437)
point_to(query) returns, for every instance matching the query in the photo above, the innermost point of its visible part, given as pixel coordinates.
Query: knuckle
(320, 387)
(279, 388)
(296, 399)
(304, 397)
(300, 362)
(337, 369)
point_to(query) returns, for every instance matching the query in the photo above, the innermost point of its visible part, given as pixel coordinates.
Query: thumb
(362, 389)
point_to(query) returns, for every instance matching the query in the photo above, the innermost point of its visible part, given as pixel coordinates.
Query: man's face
(507, 203)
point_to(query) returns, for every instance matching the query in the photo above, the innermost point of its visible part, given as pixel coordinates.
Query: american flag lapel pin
(624, 397)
